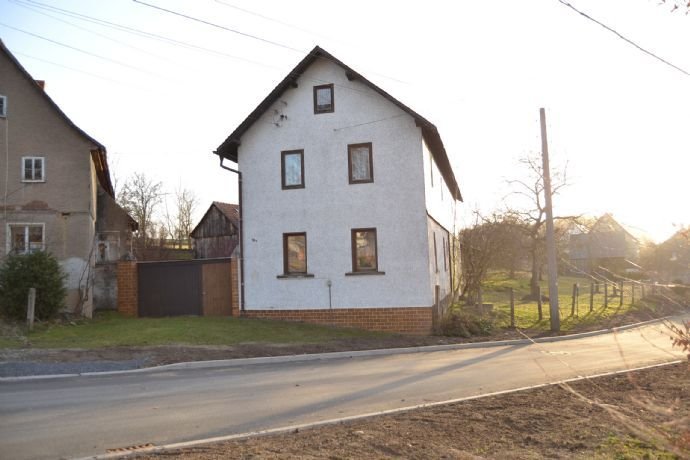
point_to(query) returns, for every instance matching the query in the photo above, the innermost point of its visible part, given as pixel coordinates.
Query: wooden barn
(216, 234)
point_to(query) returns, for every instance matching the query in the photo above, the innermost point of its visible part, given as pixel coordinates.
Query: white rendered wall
(440, 268)
(329, 207)
(441, 208)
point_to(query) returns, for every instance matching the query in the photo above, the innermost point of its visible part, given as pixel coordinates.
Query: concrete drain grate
(123, 450)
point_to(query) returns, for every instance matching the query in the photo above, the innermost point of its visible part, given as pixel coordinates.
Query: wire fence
(581, 299)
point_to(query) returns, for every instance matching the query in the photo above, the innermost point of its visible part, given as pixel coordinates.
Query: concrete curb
(336, 421)
(239, 362)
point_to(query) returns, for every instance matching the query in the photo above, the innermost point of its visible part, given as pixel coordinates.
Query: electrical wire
(622, 37)
(74, 48)
(73, 69)
(138, 32)
(274, 20)
(228, 29)
(93, 32)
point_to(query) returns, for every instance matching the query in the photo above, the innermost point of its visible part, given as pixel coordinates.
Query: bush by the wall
(466, 324)
(19, 272)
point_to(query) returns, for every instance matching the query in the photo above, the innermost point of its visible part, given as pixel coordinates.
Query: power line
(228, 29)
(249, 35)
(623, 37)
(119, 42)
(73, 69)
(98, 56)
(268, 18)
(139, 32)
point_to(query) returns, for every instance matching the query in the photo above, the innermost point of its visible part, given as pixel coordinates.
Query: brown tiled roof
(231, 211)
(228, 149)
(98, 155)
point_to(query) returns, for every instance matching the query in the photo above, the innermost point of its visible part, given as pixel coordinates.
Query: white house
(347, 204)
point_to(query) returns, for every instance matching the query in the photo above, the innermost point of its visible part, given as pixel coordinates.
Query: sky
(162, 92)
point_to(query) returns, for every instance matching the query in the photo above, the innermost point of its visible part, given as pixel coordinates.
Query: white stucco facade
(329, 206)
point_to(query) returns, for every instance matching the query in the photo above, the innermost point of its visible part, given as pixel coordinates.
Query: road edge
(239, 362)
(336, 421)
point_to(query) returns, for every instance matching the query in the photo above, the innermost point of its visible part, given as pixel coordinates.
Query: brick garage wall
(413, 320)
(127, 289)
(235, 291)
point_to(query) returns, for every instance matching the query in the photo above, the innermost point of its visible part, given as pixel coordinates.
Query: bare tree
(532, 211)
(140, 196)
(179, 224)
(482, 247)
(186, 202)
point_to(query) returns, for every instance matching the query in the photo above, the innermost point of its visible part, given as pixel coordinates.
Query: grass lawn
(109, 329)
(496, 291)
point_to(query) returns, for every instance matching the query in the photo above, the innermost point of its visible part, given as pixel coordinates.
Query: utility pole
(550, 239)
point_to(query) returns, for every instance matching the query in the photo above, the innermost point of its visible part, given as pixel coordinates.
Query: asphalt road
(80, 416)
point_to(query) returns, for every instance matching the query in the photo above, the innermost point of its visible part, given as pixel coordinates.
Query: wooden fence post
(621, 304)
(31, 309)
(606, 295)
(591, 297)
(539, 305)
(512, 307)
(480, 301)
(572, 308)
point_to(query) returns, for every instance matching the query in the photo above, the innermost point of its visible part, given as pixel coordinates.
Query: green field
(496, 291)
(109, 329)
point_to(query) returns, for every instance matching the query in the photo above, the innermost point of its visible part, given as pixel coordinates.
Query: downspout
(239, 186)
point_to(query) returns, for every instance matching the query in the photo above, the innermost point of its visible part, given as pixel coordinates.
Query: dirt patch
(597, 418)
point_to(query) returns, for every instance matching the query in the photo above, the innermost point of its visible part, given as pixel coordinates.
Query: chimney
(41, 84)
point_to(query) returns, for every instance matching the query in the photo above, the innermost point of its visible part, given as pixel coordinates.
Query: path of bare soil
(597, 418)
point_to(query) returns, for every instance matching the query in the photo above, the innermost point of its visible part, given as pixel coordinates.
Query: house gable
(229, 148)
(48, 106)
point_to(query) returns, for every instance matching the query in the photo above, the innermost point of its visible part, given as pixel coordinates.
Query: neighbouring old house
(216, 234)
(348, 201)
(55, 188)
(606, 245)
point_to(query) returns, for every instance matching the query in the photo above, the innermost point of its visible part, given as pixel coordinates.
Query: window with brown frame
(323, 99)
(292, 169)
(295, 253)
(360, 163)
(364, 250)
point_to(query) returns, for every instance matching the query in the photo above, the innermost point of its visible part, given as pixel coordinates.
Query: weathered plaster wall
(65, 201)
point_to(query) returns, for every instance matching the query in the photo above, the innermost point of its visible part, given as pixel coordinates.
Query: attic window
(323, 99)
(3, 106)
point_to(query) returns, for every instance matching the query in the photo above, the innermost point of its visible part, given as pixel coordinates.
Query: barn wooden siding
(215, 236)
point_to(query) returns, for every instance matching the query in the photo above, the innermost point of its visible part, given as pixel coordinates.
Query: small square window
(292, 169)
(360, 163)
(364, 251)
(294, 253)
(25, 238)
(323, 99)
(33, 169)
(3, 106)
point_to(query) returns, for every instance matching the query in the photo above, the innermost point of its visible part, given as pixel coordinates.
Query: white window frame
(3, 107)
(43, 168)
(26, 225)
